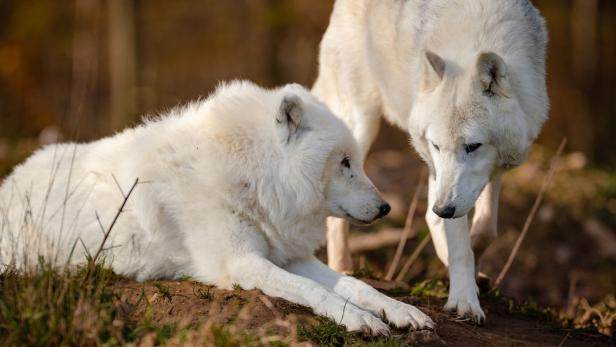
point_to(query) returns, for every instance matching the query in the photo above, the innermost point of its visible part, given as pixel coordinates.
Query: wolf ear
(492, 74)
(289, 117)
(434, 70)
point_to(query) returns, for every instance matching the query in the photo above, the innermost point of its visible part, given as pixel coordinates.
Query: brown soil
(189, 303)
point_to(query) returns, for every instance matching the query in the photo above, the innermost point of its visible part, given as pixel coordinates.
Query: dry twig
(531, 215)
(101, 247)
(407, 264)
(408, 226)
(385, 237)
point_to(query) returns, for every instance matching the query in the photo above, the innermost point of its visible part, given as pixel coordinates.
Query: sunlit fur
(233, 189)
(374, 61)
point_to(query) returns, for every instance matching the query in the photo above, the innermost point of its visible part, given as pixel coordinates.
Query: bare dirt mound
(250, 313)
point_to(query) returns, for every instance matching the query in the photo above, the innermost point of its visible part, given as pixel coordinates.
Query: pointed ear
(289, 117)
(492, 74)
(434, 68)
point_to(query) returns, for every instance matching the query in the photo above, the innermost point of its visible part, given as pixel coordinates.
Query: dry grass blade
(101, 247)
(531, 215)
(409, 262)
(408, 226)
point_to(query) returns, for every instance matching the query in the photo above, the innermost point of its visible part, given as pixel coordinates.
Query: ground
(566, 263)
(169, 302)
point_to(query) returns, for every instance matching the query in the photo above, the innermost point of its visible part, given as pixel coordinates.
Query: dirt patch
(188, 303)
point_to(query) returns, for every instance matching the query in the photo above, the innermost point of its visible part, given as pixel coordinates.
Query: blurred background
(82, 69)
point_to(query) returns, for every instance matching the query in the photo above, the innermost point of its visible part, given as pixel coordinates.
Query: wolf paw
(466, 307)
(365, 322)
(403, 315)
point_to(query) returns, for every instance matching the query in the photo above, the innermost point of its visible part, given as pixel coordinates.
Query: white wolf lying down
(466, 79)
(237, 190)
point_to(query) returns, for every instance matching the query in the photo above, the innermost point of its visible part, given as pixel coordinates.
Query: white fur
(451, 73)
(235, 189)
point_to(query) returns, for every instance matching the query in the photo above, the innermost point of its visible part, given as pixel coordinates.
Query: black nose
(384, 210)
(444, 212)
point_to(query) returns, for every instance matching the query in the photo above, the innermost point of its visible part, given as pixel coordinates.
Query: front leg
(361, 294)
(484, 227)
(453, 246)
(230, 250)
(253, 271)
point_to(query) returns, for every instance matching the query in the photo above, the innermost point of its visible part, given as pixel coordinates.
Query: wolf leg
(484, 227)
(362, 295)
(338, 252)
(253, 271)
(452, 242)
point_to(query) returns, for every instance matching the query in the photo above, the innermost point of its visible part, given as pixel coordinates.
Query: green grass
(163, 291)
(204, 294)
(324, 332)
(185, 278)
(223, 336)
(57, 307)
(430, 288)
(525, 308)
(51, 307)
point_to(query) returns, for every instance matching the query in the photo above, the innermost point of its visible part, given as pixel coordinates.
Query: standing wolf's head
(323, 160)
(469, 121)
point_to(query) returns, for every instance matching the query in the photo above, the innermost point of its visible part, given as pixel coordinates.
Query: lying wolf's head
(325, 159)
(467, 122)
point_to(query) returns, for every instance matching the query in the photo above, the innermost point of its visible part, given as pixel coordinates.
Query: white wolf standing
(466, 78)
(237, 190)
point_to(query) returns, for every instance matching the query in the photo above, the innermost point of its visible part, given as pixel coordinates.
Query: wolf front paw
(467, 307)
(403, 315)
(365, 322)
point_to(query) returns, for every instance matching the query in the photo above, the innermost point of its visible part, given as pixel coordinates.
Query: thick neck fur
(267, 195)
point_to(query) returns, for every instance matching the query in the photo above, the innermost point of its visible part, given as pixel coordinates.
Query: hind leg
(338, 252)
(484, 227)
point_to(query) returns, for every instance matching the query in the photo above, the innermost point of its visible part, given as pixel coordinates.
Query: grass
(82, 307)
(185, 278)
(430, 288)
(204, 294)
(163, 291)
(324, 332)
(51, 307)
(526, 308)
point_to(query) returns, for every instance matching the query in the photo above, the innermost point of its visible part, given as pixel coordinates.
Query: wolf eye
(472, 147)
(436, 147)
(346, 162)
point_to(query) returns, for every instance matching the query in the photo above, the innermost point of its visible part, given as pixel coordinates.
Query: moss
(430, 288)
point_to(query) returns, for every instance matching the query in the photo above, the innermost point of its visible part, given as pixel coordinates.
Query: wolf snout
(383, 210)
(447, 211)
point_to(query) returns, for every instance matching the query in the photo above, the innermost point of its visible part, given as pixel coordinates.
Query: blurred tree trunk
(275, 23)
(584, 40)
(82, 116)
(122, 63)
(584, 69)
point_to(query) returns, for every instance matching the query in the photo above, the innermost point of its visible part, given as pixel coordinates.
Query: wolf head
(467, 122)
(324, 159)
